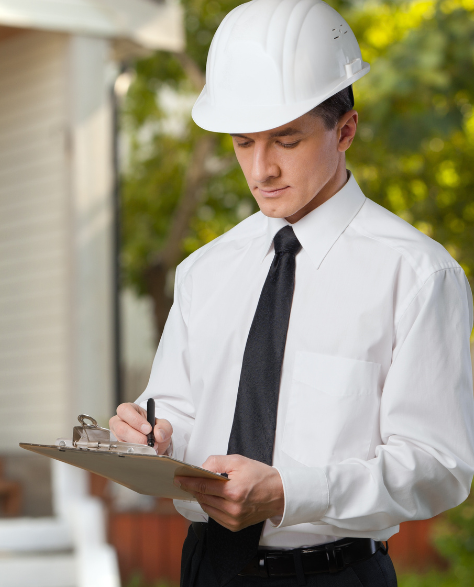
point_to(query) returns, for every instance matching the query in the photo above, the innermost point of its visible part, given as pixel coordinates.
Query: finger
(125, 433)
(162, 431)
(222, 463)
(116, 423)
(215, 513)
(196, 485)
(134, 416)
(224, 519)
(227, 508)
(112, 422)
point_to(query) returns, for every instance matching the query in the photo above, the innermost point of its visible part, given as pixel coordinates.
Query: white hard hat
(272, 61)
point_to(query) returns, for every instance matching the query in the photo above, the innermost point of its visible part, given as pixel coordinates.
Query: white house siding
(56, 181)
(34, 304)
(91, 78)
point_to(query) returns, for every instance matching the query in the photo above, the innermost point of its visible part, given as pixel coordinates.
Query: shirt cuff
(177, 446)
(306, 494)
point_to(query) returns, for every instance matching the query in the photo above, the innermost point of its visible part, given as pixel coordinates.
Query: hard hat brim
(229, 118)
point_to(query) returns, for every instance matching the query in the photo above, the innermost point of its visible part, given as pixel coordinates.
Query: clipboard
(135, 466)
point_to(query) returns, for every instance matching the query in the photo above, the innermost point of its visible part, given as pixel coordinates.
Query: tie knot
(285, 241)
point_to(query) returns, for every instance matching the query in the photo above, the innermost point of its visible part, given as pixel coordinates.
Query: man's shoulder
(225, 246)
(424, 254)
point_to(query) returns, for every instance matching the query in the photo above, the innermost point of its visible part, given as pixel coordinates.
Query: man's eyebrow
(286, 132)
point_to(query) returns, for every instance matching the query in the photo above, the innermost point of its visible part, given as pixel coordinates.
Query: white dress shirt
(375, 420)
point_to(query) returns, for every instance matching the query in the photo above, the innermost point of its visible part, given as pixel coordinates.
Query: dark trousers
(196, 571)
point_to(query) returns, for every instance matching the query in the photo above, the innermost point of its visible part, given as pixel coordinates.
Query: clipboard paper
(146, 474)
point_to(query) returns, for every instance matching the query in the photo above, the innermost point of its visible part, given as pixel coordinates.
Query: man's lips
(272, 192)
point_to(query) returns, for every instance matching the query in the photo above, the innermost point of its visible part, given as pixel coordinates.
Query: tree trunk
(159, 270)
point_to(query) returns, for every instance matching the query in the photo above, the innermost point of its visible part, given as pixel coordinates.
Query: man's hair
(334, 107)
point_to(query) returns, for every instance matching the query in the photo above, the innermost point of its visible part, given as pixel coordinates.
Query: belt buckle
(335, 558)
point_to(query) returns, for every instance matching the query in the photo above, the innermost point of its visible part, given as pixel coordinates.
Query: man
(318, 353)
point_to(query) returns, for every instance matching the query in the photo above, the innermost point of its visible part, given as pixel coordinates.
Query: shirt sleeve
(425, 463)
(169, 382)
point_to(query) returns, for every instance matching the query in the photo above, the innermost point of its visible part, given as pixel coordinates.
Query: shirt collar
(320, 229)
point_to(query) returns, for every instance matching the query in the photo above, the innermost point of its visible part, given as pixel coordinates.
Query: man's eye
(289, 145)
(247, 144)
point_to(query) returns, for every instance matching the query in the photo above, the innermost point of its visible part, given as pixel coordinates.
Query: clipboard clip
(90, 436)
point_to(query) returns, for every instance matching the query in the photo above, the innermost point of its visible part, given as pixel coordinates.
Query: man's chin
(277, 212)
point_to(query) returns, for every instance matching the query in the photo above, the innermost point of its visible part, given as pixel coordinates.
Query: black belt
(324, 558)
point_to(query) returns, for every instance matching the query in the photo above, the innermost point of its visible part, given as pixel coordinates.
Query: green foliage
(454, 539)
(415, 143)
(416, 138)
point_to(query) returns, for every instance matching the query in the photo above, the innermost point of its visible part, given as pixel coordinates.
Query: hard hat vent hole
(339, 31)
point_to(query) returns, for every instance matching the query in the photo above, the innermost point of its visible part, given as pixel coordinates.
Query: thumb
(220, 463)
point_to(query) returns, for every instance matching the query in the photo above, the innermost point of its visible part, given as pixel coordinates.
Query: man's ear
(346, 129)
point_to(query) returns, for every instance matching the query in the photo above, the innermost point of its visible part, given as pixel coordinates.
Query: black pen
(150, 416)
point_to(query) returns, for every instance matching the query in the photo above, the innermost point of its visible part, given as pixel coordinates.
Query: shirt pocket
(332, 409)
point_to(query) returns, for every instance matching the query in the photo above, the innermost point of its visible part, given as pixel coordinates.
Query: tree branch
(199, 170)
(169, 256)
(196, 177)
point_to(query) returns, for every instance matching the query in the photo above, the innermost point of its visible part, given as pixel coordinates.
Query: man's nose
(264, 166)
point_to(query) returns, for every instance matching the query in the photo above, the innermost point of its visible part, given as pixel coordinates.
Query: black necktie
(253, 428)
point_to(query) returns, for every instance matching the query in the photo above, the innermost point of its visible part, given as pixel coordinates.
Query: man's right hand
(130, 425)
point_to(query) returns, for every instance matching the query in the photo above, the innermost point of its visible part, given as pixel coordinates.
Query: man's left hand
(253, 493)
